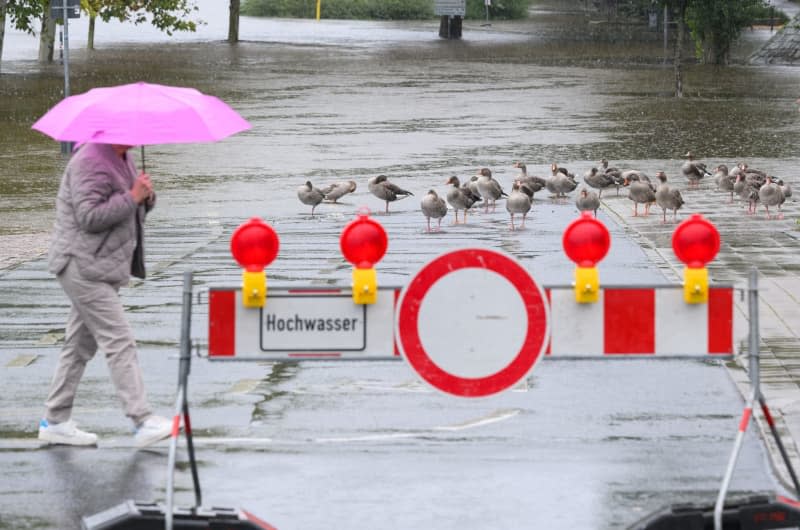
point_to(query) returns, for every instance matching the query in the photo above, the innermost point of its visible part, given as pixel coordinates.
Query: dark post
(444, 27)
(450, 27)
(66, 147)
(233, 22)
(455, 26)
(771, 17)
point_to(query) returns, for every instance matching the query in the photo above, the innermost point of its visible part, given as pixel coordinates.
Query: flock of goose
(752, 185)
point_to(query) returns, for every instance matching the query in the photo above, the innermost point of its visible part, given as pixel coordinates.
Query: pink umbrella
(141, 114)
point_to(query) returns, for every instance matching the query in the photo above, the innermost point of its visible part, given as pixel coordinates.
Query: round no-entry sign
(472, 322)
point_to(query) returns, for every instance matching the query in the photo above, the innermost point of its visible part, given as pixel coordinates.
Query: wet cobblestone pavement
(747, 240)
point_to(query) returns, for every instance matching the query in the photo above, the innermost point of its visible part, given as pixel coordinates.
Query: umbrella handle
(144, 168)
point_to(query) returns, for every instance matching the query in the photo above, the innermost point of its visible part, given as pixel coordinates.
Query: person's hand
(142, 188)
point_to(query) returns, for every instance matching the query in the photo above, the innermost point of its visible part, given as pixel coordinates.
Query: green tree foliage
(716, 24)
(23, 13)
(167, 15)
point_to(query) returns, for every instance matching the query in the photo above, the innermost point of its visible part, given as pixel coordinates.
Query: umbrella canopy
(141, 114)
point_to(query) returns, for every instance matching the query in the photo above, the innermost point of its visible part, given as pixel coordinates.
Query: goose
(740, 167)
(630, 175)
(519, 201)
(310, 195)
(613, 172)
(560, 182)
(337, 190)
(434, 207)
(755, 175)
(460, 198)
(667, 198)
(599, 180)
(472, 186)
(786, 188)
(386, 191)
(641, 192)
(747, 191)
(533, 182)
(725, 179)
(771, 194)
(693, 170)
(752, 198)
(588, 201)
(739, 184)
(489, 188)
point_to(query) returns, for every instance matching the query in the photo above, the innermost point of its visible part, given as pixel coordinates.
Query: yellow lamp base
(365, 286)
(587, 285)
(695, 285)
(254, 288)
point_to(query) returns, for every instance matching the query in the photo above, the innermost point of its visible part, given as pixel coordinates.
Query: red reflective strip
(720, 320)
(255, 520)
(629, 325)
(187, 427)
(176, 425)
(550, 336)
(396, 298)
(767, 415)
(312, 355)
(745, 419)
(221, 323)
(787, 500)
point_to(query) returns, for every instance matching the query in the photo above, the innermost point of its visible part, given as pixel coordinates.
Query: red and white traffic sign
(472, 322)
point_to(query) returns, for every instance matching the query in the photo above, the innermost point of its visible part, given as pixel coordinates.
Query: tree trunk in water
(233, 22)
(679, 48)
(47, 37)
(90, 36)
(3, 6)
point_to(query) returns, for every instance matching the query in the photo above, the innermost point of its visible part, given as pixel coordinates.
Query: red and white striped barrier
(640, 320)
(625, 322)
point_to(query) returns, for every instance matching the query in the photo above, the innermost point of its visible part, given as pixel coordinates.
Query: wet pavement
(582, 444)
(770, 245)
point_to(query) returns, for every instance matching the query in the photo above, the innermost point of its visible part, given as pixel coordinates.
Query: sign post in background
(65, 10)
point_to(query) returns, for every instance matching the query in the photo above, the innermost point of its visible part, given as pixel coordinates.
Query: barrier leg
(737, 446)
(187, 427)
(779, 443)
(755, 383)
(182, 406)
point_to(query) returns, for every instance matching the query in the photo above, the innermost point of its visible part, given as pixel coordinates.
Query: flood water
(338, 99)
(583, 445)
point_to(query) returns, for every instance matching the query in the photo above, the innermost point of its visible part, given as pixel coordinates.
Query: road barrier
(489, 302)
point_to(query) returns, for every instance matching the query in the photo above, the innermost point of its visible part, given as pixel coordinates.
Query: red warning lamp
(363, 243)
(586, 241)
(696, 242)
(254, 245)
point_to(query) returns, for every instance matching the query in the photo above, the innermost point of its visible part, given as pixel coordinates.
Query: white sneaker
(153, 429)
(65, 433)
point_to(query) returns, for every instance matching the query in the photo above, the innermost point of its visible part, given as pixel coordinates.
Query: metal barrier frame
(182, 405)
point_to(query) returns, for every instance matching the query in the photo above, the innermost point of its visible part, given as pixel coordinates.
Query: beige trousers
(96, 319)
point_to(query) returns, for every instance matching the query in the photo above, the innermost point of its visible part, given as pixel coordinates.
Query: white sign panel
(301, 324)
(309, 323)
(450, 7)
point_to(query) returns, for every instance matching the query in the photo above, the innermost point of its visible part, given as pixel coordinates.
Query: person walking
(97, 245)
